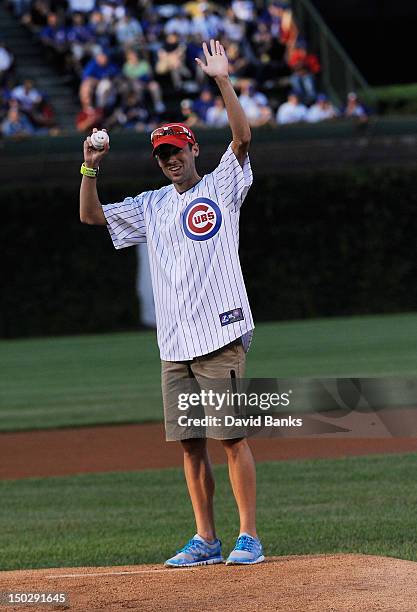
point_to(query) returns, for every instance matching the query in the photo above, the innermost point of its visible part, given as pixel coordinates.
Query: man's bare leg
(200, 483)
(242, 474)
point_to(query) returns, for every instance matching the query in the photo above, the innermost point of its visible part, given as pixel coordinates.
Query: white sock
(198, 537)
(247, 535)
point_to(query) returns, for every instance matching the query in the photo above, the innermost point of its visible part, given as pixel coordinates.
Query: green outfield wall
(335, 242)
(384, 141)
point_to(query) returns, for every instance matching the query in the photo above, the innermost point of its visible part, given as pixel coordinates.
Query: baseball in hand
(99, 139)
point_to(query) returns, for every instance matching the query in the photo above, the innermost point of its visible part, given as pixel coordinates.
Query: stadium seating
(121, 65)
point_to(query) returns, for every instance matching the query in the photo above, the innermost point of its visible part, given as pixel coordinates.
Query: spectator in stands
(191, 8)
(54, 35)
(304, 66)
(208, 25)
(272, 17)
(107, 94)
(43, 118)
(88, 117)
(130, 114)
(129, 32)
(33, 105)
(244, 10)
(238, 64)
(255, 104)
(81, 39)
(193, 50)
(36, 16)
(291, 111)
(203, 103)
(181, 25)
(81, 6)
(165, 10)
(138, 73)
(97, 75)
(188, 116)
(217, 114)
(16, 124)
(232, 27)
(194, 8)
(322, 110)
(288, 31)
(28, 97)
(102, 30)
(164, 38)
(6, 63)
(111, 10)
(354, 109)
(171, 61)
(269, 53)
(153, 30)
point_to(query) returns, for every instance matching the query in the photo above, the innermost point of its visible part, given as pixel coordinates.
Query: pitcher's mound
(337, 583)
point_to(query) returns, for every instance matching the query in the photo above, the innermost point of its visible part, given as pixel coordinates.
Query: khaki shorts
(217, 370)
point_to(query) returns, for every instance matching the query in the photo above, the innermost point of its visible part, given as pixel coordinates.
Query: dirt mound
(323, 583)
(137, 447)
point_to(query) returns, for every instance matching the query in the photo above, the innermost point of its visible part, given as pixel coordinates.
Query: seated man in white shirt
(255, 104)
(321, 110)
(217, 114)
(27, 95)
(291, 111)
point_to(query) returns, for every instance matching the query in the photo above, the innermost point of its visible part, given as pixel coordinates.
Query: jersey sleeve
(125, 221)
(232, 180)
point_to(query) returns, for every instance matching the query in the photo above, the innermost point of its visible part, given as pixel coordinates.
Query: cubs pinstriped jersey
(193, 240)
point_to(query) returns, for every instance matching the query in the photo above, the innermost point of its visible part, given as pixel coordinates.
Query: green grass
(359, 504)
(115, 378)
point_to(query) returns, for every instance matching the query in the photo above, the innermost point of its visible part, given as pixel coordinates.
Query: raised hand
(93, 157)
(217, 64)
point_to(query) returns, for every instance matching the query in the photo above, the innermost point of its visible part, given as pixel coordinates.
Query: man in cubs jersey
(204, 322)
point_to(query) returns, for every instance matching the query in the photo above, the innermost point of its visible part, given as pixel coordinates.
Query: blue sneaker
(197, 552)
(247, 550)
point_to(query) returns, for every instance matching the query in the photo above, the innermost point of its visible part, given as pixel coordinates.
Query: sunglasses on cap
(181, 131)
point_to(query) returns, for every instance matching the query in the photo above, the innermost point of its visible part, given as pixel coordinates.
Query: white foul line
(169, 571)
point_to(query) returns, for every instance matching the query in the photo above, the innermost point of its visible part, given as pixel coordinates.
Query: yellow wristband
(90, 172)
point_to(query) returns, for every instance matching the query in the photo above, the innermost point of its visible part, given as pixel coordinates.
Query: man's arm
(91, 211)
(218, 68)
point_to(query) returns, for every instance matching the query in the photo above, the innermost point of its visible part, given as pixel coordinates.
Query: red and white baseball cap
(176, 134)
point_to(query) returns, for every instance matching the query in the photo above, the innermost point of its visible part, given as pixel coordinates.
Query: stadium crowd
(24, 110)
(133, 63)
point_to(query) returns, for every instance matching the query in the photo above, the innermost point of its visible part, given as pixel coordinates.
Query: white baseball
(99, 139)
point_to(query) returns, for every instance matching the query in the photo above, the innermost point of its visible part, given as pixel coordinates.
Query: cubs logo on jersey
(201, 301)
(201, 219)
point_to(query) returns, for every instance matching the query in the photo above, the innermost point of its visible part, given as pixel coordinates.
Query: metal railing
(339, 74)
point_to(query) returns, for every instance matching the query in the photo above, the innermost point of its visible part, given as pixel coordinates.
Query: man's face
(13, 115)
(178, 165)
(102, 59)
